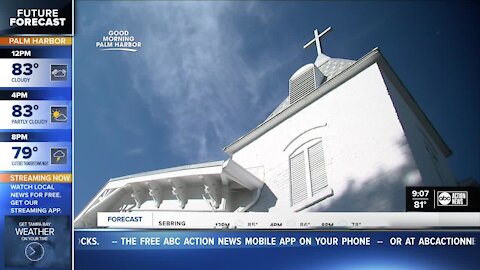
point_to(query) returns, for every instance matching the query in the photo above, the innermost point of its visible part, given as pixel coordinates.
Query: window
(308, 176)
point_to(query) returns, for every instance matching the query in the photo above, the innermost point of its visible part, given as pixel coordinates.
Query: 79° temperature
(25, 152)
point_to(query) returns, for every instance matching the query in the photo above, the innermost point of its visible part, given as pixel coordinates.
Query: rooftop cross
(321, 57)
(316, 39)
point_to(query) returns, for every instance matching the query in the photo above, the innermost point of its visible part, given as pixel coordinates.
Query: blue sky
(208, 72)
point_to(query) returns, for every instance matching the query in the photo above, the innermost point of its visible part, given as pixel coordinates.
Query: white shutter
(318, 173)
(298, 178)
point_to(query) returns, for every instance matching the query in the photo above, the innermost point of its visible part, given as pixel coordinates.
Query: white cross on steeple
(321, 58)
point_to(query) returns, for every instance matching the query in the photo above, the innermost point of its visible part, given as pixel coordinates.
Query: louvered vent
(298, 178)
(318, 173)
(304, 81)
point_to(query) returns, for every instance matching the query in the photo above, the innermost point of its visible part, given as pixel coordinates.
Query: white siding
(367, 158)
(432, 164)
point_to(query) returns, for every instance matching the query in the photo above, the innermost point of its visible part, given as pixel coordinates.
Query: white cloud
(192, 74)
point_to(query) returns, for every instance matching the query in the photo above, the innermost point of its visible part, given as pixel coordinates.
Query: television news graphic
(286, 249)
(31, 17)
(443, 199)
(302, 189)
(36, 134)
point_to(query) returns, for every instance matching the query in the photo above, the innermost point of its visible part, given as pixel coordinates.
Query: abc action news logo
(452, 198)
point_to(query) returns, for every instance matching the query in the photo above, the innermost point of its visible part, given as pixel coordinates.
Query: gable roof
(285, 110)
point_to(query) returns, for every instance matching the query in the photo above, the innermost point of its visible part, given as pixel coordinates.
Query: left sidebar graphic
(36, 134)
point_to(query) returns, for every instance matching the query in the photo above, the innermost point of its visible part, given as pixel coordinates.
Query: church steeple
(309, 77)
(321, 58)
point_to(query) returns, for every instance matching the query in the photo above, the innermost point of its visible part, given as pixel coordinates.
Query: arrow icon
(33, 251)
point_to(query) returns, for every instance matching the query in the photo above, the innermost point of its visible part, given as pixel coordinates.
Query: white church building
(349, 137)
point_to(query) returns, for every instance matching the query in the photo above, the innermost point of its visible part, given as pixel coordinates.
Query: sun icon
(56, 114)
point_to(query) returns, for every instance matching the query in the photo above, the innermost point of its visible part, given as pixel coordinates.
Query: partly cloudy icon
(58, 114)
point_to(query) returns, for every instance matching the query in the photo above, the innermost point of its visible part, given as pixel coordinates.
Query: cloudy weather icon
(59, 73)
